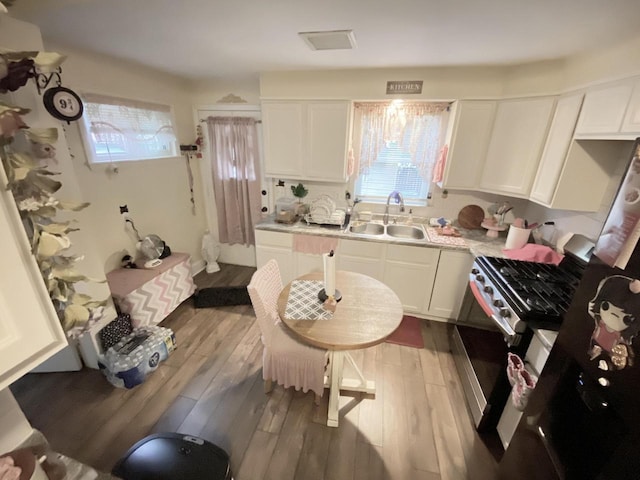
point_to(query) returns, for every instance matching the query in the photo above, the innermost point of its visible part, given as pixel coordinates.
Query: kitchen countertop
(477, 242)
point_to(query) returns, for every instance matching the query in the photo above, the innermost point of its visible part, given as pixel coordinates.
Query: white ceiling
(201, 39)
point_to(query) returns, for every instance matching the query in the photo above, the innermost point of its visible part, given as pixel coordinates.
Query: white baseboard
(197, 267)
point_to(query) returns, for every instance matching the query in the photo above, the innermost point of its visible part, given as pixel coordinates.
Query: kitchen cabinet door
(306, 140)
(556, 148)
(277, 246)
(409, 272)
(283, 134)
(450, 284)
(631, 122)
(307, 263)
(603, 111)
(519, 132)
(326, 135)
(468, 141)
(30, 331)
(361, 257)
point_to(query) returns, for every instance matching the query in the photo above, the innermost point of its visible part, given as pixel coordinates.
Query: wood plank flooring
(416, 427)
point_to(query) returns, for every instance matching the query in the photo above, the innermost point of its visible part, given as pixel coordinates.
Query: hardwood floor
(417, 426)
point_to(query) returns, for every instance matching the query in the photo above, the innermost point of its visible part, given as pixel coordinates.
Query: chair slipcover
(285, 360)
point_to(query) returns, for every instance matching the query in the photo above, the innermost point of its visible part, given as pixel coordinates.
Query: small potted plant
(299, 191)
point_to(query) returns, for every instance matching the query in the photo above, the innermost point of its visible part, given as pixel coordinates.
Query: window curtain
(418, 128)
(235, 165)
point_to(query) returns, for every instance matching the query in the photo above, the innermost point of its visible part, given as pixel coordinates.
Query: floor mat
(221, 296)
(408, 333)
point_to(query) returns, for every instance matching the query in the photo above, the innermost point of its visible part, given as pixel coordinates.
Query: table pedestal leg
(336, 383)
(335, 379)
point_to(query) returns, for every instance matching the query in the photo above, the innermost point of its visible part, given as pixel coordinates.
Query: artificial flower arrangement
(33, 188)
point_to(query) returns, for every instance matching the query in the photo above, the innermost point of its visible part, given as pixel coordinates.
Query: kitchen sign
(404, 86)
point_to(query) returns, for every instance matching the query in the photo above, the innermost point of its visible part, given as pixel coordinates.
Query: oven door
(480, 352)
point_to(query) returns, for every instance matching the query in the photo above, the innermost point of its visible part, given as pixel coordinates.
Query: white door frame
(236, 254)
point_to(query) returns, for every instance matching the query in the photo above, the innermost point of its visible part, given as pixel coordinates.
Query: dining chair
(284, 359)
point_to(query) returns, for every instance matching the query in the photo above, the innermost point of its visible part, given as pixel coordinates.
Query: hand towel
(314, 244)
(532, 252)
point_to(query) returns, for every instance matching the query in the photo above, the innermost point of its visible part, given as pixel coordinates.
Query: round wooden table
(367, 314)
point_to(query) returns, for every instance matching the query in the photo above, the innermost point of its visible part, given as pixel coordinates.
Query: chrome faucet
(354, 214)
(397, 196)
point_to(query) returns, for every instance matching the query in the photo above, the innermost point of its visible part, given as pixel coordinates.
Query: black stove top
(539, 293)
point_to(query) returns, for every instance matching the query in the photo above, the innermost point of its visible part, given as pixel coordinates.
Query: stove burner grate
(534, 290)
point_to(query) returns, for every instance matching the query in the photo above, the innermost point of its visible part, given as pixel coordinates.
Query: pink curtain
(235, 165)
(417, 127)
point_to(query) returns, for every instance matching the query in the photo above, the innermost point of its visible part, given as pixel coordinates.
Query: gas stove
(536, 293)
(519, 294)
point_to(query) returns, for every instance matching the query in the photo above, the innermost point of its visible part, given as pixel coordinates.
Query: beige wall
(18, 35)
(611, 62)
(209, 92)
(370, 84)
(156, 191)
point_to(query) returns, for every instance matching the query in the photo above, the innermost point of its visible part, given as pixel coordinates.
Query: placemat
(303, 303)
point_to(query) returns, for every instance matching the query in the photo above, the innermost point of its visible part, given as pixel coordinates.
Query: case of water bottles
(135, 356)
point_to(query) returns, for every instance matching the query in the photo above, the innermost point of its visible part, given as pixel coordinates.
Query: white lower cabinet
(450, 283)
(307, 263)
(277, 246)
(409, 272)
(361, 257)
(428, 281)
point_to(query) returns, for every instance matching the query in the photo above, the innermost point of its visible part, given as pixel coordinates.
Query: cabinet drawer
(276, 239)
(405, 253)
(361, 249)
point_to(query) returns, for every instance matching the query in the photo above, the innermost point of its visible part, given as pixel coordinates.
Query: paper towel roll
(517, 237)
(329, 261)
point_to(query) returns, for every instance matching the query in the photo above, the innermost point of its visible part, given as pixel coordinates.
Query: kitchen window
(396, 146)
(119, 130)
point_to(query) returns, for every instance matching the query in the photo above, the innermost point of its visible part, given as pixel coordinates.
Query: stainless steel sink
(366, 228)
(405, 231)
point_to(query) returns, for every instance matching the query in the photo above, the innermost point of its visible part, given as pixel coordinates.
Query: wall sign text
(404, 86)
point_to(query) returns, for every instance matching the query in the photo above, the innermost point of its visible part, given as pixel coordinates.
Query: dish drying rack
(336, 218)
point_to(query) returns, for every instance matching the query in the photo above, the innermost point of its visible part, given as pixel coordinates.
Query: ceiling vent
(330, 40)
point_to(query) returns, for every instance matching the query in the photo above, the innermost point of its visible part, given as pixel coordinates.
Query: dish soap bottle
(410, 217)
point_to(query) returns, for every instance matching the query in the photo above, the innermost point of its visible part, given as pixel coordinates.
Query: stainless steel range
(504, 301)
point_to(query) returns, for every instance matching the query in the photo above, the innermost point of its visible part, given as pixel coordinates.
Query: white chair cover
(284, 359)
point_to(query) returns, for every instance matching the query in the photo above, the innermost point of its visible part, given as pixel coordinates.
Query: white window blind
(117, 130)
(396, 147)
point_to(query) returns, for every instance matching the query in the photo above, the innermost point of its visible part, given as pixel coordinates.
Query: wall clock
(63, 104)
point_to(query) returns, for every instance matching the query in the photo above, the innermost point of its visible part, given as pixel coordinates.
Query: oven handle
(502, 324)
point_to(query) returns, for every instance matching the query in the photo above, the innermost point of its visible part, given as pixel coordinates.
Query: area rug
(221, 296)
(408, 333)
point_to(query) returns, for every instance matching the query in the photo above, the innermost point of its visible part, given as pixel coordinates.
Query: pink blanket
(532, 252)
(313, 244)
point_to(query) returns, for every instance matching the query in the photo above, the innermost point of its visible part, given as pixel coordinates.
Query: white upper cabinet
(518, 135)
(603, 112)
(306, 139)
(283, 132)
(556, 148)
(631, 123)
(468, 139)
(30, 331)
